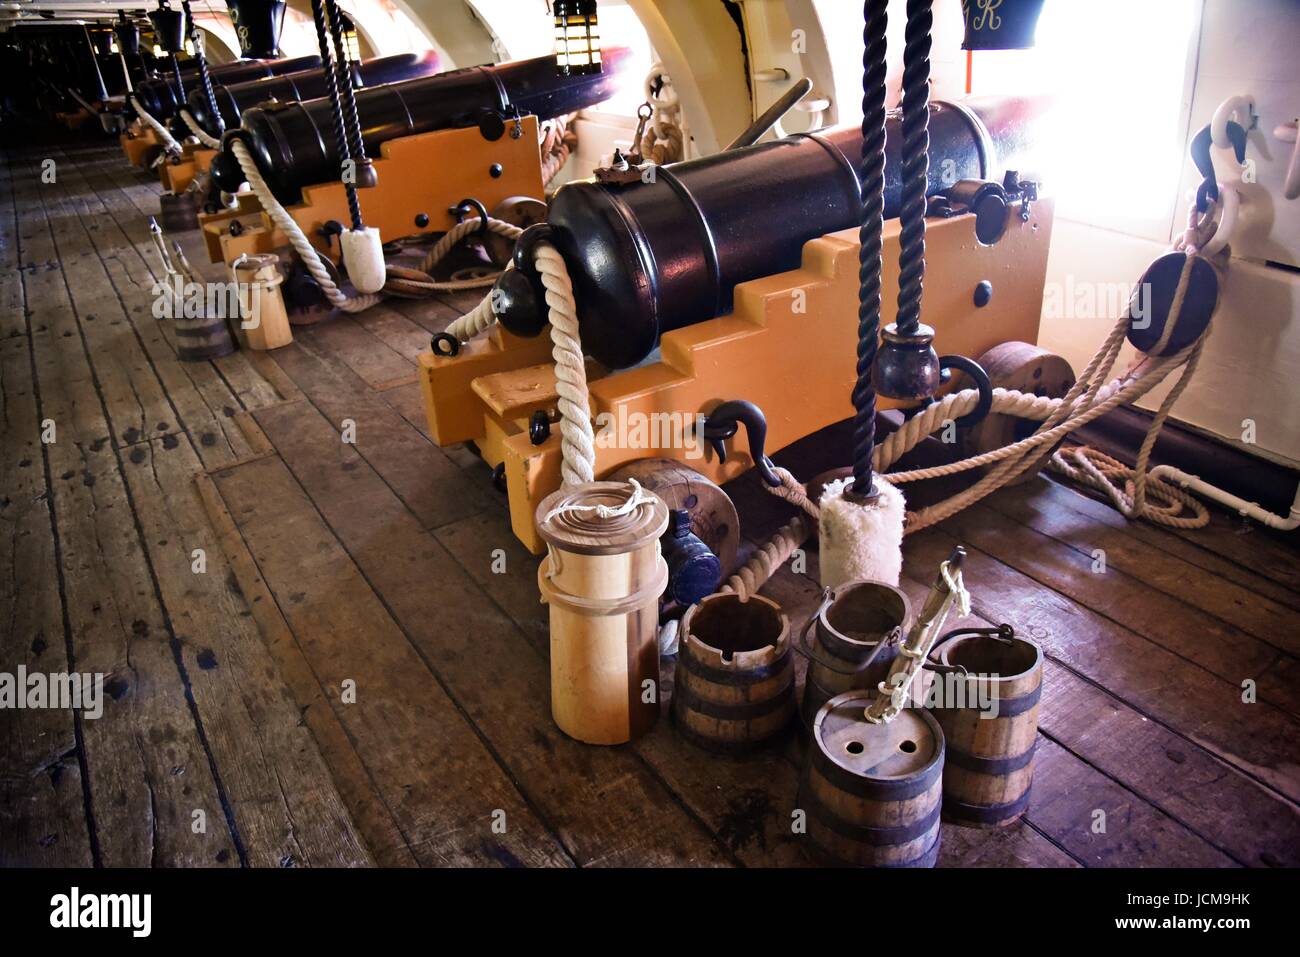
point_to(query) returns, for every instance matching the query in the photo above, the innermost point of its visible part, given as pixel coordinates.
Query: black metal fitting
(539, 427)
(724, 421)
(421, 220)
(985, 199)
(908, 368)
(472, 205)
(491, 125)
(329, 229)
(445, 344)
(976, 372)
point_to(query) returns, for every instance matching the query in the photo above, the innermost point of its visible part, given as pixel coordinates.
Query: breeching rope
(164, 135)
(211, 142)
(404, 283)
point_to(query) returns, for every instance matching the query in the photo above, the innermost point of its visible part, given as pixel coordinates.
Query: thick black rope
(180, 85)
(205, 78)
(343, 66)
(871, 173)
(915, 163)
(336, 110)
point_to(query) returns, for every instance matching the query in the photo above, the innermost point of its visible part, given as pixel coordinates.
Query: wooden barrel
(860, 615)
(872, 792)
(990, 759)
(734, 684)
(203, 337)
(602, 577)
(178, 211)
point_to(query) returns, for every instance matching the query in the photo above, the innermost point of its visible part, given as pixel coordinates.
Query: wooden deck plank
(431, 485)
(437, 777)
(1167, 582)
(138, 408)
(42, 807)
(202, 399)
(351, 342)
(1260, 555)
(1195, 550)
(400, 334)
(608, 809)
(1105, 824)
(13, 321)
(148, 769)
(281, 795)
(374, 819)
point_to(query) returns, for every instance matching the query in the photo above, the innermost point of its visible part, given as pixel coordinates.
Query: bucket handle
(804, 644)
(1003, 632)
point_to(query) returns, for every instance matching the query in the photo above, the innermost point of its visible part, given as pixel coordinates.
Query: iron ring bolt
(445, 344)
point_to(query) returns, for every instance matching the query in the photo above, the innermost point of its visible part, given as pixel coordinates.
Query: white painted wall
(1249, 368)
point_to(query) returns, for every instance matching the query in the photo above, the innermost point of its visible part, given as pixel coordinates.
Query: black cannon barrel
(294, 145)
(653, 256)
(234, 98)
(161, 99)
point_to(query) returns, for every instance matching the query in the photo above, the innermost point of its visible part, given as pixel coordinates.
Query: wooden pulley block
(1025, 368)
(1153, 299)
(713, 515)
(521, 211)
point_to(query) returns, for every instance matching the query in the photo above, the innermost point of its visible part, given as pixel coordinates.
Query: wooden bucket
(734, 685)
(849, 628)
(178, 211)
(872, 792)
(990, 759)
(602, 578)
(203, 337)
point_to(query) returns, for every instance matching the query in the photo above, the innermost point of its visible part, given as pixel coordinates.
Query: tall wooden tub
(847, 632)
(872, 792)
(990, 758)
(602, 577)
(734, 685)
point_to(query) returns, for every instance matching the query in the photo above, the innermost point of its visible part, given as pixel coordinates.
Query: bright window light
(1118, 70)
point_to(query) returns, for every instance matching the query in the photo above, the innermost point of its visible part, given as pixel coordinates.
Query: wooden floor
(312, 663)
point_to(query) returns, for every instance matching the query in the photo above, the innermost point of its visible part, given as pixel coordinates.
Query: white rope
(301, 244)
(1091, 397)
(634, 501)
(168, 141)
(211, 142)
(956, 586)
(476, 321)
(768, 558)
(578, 440)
